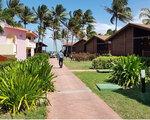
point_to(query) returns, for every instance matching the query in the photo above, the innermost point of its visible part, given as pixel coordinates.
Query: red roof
(23, 29)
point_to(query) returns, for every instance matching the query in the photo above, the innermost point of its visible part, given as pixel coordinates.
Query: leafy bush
(82, 56)
(146, 61)
(6, 63)
(104, 62)
(23, 84)
(126, 71)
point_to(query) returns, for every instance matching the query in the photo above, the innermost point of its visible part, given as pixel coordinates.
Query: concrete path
(73, 100)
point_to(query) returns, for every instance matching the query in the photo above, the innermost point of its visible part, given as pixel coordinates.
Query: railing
(30, 44)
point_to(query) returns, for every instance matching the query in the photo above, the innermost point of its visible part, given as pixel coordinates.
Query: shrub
(104, 62)
(82, 56)
(23, 84)
(6, 63)
(146, 61)
(126, 71)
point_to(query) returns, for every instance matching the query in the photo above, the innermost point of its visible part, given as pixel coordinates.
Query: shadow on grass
(136, 94)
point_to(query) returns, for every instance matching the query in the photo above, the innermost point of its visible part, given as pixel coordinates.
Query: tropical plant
(126, 71)
(41, 13)
(5, 16)
(27, 16)
(23, 84)
(58, 17)
(90, 31)
(119, 11)
(14, 7)
(145, 15)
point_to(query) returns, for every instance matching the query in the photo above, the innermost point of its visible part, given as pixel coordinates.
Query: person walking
(61, 58)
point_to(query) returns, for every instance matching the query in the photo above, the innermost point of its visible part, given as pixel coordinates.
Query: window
(11, 39)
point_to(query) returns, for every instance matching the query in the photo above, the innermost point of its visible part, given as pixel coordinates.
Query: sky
(97, 6)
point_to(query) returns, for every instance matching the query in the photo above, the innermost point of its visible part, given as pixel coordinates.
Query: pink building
(17, 42)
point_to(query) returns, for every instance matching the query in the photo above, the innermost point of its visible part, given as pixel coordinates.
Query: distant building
(131, 39)
(40, 47)
(17, 42)
(79, 47)
(67, 48)
(97, 45)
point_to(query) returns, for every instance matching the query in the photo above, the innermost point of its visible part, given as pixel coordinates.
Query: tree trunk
(72, 42)
(116, 24)
(55, 42)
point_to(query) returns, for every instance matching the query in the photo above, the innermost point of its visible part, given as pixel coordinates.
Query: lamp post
(143, 81)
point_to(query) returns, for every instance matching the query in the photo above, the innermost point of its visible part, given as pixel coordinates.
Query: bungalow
(131, 39)
(17, 42)
(39, 47)
(67, 48)
(79, 46)
(97, 45)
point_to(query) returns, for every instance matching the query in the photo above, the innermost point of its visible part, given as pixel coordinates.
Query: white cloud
(103, 27)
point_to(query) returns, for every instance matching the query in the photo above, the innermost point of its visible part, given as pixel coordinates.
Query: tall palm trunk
(72, 42)
(67, 50)
(55, 42)
(116, 24)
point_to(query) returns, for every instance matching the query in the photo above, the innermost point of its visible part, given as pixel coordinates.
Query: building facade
(97, 45)
(131, 39)
(79, 47)
(17, 42)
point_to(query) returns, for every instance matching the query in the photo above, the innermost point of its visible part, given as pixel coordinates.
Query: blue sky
(97, 7)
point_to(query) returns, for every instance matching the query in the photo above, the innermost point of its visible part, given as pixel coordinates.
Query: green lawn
(127, 103)
(38, 113)
(74, 65)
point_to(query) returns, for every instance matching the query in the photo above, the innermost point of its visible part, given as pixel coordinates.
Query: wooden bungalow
(79, 47)
(131, 39)
(97, 45)
(67, 48)
(40, 47)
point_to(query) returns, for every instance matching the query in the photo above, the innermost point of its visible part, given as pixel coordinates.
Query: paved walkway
(73, 100)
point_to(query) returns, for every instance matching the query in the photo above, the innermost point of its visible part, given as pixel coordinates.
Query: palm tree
(58, 16)
(27, 16)
(88, 18)
(5, 16)
(14, 7)
(119, 11)
(90, 31)
(145, 15)
(41, 15)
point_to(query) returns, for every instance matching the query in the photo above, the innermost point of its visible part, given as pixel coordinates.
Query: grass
(127, 103)
(38, 113)
(75, 65)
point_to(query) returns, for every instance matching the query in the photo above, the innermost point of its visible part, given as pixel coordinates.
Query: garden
(129, 101)
(24, 86)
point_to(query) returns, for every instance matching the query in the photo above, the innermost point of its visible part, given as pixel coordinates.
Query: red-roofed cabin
(97, 45)
(79, 47)
(131, 39)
